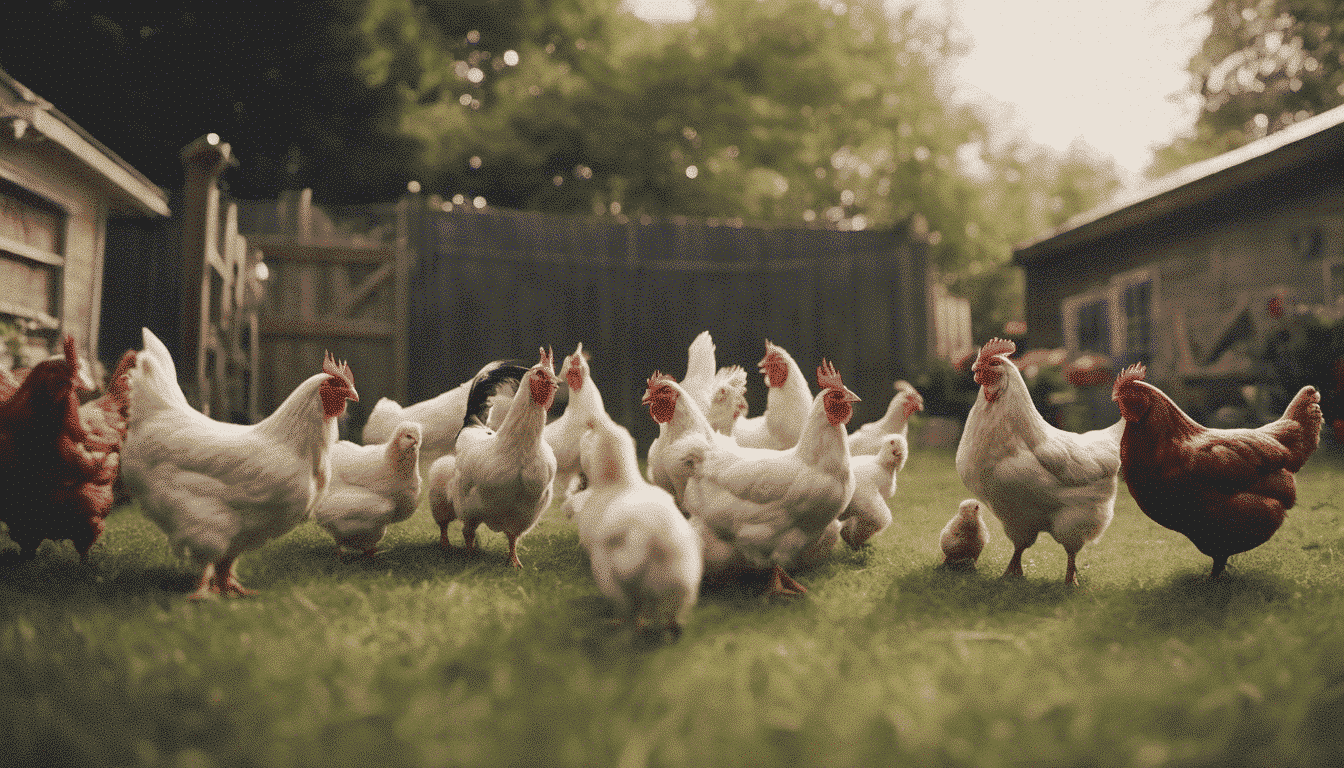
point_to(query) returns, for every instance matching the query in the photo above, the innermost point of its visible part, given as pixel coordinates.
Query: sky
(1111, 73)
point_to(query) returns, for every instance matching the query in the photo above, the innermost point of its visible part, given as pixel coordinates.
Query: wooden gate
(329, 290)
(221, 291)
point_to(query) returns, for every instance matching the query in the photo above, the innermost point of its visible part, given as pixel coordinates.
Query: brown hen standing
(1227, 490)
(57, 477)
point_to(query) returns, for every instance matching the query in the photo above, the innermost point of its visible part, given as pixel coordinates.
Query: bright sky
(1111, 72)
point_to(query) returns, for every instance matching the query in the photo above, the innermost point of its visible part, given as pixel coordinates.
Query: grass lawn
(422, 658)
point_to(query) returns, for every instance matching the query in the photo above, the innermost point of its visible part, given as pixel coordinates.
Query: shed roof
(1293, 147)
(134, 193)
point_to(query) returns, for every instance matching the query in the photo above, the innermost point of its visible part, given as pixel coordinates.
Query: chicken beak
(850, 397)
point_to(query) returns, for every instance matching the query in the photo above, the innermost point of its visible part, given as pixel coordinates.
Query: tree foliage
(798, 112)
(1265, 65)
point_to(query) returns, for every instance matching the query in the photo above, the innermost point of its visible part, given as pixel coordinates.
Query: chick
(964, 537)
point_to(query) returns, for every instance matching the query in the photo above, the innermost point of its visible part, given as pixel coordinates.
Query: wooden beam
(281, 326)
(283, 250)
(361, 292)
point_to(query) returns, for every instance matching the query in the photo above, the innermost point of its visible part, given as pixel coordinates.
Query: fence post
(203, 161)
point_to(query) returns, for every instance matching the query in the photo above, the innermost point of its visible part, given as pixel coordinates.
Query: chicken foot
(227, 585)
(783, 584)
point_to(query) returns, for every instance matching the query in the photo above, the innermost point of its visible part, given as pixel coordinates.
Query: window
(1138, 306)
(1094, 327)
(31, 243)
(1115, 319)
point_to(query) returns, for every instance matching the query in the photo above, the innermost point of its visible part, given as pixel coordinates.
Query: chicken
(218, 490)
(502, 479)
(728, 401)
(55, 487)
(1226, 489)
(440, 418)
(644, 554)
(767, 511)
(787, 404)
(104, 419)
(870, 438)
(964, 537)
(372, 487)
(874, 483)
(700, 379)
(679, 419)
(681, 424)
(1033, 476)
(564, 434)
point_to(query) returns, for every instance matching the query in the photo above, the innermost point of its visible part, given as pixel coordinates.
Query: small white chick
(644, 554)
(964, 537)
(874, 483)
(372, 487)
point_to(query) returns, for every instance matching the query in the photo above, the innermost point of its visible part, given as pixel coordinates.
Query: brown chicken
(1227, 490)
(56, 477)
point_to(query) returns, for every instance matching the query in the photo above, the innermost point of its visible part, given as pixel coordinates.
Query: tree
(277, 81)
(1265, 65)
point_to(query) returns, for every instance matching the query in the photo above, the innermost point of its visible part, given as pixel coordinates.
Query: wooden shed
(59, 188)
(1193, 272)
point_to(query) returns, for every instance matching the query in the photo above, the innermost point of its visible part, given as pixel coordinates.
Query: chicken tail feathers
(485, 386)
(1305, 411)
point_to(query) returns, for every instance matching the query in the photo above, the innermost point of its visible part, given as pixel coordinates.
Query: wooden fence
(491, 284)
(417, 295)
(337, 284)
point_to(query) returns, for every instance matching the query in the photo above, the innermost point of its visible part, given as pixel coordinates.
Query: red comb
(1135, 372)
(828, 377)
(996, 347)
(657, 378)
(340, 370)
(547, 359)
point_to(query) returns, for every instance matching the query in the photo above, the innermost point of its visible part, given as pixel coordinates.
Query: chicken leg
(783, 584)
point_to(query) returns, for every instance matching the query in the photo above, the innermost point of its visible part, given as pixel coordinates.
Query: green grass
(425, 658)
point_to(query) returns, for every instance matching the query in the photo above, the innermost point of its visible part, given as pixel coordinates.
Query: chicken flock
(721, 495)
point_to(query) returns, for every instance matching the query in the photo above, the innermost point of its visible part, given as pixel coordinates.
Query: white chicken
(499, 478)
(644, 554)
(440, 418)
(769, 511)
(787, 404)
(871, 437)
(372, 487)
(681, 428)
(868, 513)
(964, 537)
(1033, 476)
(728, 402)
(564, 434)
(216, 489)
(701, 378)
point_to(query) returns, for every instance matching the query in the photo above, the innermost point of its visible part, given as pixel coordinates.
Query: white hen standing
(1033, 476)
(787, 404)
(644, 554)
(767, 511)
(868, 513)
(440, 418)
(502, 479)
(871, 437)
(564, 434)
(728, 402)
(372, 487)
(217, 489)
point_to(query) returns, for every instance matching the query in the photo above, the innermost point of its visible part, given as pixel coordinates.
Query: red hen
(1227, 490)
(57, 478)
